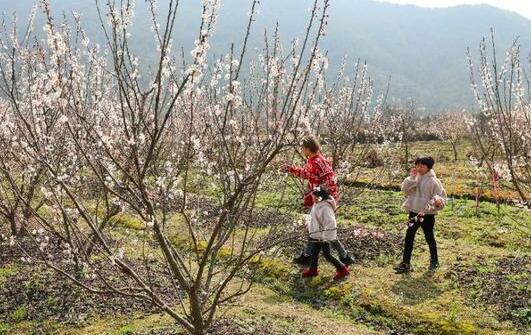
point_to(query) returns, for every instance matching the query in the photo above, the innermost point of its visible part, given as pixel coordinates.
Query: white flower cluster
(151, 222)
(42, 239)
(504, 110)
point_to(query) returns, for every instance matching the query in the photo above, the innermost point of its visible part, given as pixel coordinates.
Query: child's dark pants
(317, 246)
(427, 227)
(336, 244)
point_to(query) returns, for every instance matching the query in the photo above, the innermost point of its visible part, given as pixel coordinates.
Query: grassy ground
(432, 303)
(482, 287)
(373, 299)
(460, 177)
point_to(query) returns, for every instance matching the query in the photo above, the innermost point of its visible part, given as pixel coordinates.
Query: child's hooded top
(421, 190)
(322, 225)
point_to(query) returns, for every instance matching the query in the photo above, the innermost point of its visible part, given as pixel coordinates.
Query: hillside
(421, 49)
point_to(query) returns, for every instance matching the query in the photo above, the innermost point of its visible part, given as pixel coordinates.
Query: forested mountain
(421, 49)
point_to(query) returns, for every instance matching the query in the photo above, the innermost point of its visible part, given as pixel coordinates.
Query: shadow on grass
(415, 290)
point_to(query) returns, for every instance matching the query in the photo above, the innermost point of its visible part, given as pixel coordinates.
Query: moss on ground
(6, 271)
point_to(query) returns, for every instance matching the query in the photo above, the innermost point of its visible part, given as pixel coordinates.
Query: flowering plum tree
(504, 113)
(452, 128)
(92, 135)
(349, 124)
(399, 122)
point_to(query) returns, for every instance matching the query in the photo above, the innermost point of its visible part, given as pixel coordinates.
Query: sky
(522, 7)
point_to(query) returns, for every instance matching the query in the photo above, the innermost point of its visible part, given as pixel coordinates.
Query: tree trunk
(198, 321)
(454, 146)
(516, 183)
(334, 158)
(406, 156)
(25, 220)
(13, 224)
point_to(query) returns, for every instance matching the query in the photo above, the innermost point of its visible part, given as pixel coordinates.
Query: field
(482, 286)
(461, 178)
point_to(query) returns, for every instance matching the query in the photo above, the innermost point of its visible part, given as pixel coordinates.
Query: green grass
(460, 178)
(4, 328)
(6, 271)
(458, 221)
(373, 300)
(420, 303)
(19, 314)
(121, 325)
(128, 221)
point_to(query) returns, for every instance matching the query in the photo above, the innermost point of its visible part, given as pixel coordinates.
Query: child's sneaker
(403, 268)
(347, 260)
(433, 265)
(310, 273)
(302, 260)
(341, 273)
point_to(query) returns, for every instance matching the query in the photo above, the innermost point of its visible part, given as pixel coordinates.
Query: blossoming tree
(98, 136)
(451, 127)
(504, 114)
(350, 124)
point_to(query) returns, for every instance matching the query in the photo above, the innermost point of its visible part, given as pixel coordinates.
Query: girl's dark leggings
(336, 244)
(317, 247)
(427, 227)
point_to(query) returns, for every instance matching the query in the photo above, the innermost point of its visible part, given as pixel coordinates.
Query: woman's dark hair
(428, 161)
(311, 144)
(322, 192)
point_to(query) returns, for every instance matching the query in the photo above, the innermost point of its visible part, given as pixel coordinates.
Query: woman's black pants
(427, 227)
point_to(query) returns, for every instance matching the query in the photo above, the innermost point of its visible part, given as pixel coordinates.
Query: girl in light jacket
(322, 228)
(425, 198)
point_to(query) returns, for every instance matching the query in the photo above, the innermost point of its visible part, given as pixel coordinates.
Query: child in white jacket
(425, 197)
(322, 228)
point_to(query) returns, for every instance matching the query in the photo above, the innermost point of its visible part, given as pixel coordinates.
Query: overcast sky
(520, 6)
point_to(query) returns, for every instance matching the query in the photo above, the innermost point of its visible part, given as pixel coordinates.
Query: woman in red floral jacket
(318, 171)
